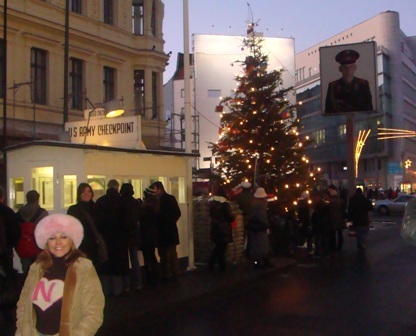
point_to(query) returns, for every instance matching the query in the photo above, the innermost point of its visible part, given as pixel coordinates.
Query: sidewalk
(125, 313)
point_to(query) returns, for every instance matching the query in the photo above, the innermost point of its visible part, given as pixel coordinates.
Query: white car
(387, 206)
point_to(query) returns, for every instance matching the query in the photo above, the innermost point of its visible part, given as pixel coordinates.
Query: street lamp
(112, 109)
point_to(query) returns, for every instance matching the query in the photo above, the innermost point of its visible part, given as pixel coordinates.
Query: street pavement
(125, 313)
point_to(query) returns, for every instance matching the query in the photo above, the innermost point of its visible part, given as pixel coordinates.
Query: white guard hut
(55, 169)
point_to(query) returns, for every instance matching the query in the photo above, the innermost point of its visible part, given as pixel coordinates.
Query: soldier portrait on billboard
(348, 93)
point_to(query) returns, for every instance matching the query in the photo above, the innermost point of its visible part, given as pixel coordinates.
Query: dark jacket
(131, 210)
(11, 228)
(358, 208)
(244, 200)
(221, 219)
(149, 222)
(304, 214)
(169, 215)
(87, 214)
(320, 218)
(114, 233)
(258, 220)
(336, 213)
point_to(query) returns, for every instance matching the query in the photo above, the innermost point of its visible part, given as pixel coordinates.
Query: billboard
(348, 78)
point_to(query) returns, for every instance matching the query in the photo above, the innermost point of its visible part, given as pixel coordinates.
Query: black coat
(149, 222)
(169, 215)
(221, 219)
(115, 233)
(87, 212)
(358, 208)
(131, 210)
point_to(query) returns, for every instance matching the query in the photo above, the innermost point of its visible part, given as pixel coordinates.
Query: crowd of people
(92, 251)
(83, 256)
(318, 222)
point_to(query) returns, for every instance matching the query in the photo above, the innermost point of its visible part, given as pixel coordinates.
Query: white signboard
(122, 132)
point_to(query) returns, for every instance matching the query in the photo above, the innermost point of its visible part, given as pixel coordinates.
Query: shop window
(70, 190)
(42, 181)
(16, 195)
(98, 185)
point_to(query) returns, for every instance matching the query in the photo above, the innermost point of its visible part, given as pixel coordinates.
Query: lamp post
(66, 61)
(4, 93)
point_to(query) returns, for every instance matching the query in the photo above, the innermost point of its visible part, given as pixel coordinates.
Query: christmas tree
(260, 132)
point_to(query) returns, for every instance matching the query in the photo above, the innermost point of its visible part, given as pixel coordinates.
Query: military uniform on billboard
(349, 93)
(348, 97)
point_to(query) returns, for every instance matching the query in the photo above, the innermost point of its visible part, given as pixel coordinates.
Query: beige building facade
(114, 51)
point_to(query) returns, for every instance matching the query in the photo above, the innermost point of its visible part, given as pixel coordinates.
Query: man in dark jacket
(11, 236)
(168, 232)
(116, 238)
(358, 208)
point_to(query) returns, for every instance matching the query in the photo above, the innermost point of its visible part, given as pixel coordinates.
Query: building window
(155, 98)
(109, 83)
(38, 75)
(76, 80)
(138, 17)
(182, 93)
(2, 53)
(342, 131)
(214, 93)
(153, 19)
(76, 6)
(319, 136)
(139, 91)
(108, 12)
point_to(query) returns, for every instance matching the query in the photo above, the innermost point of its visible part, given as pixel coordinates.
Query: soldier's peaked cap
(347, 56)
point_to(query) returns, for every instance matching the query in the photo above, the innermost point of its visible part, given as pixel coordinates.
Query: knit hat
(59, 223)
(260, 193)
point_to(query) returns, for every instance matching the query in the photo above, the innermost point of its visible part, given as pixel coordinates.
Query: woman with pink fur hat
(62, 293)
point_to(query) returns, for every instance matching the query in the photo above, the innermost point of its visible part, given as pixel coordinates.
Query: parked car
(397, 205)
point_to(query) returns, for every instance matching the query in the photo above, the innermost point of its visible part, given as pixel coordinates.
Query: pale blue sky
(308, 21)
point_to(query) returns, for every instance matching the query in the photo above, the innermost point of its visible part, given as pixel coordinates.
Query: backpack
(26, 246)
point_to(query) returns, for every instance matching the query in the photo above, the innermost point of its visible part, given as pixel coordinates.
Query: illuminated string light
(362, 137)
(393, 133)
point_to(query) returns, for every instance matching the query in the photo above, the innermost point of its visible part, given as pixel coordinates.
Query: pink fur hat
(58, 223)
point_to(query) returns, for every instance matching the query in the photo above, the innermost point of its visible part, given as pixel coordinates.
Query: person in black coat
(85, 210)
(116, 237)
(131, 212)
(358, 208)
(321, 226)
(9, 236)
(12, 231)
(168, 232)
(221, 230)
(149, 221)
